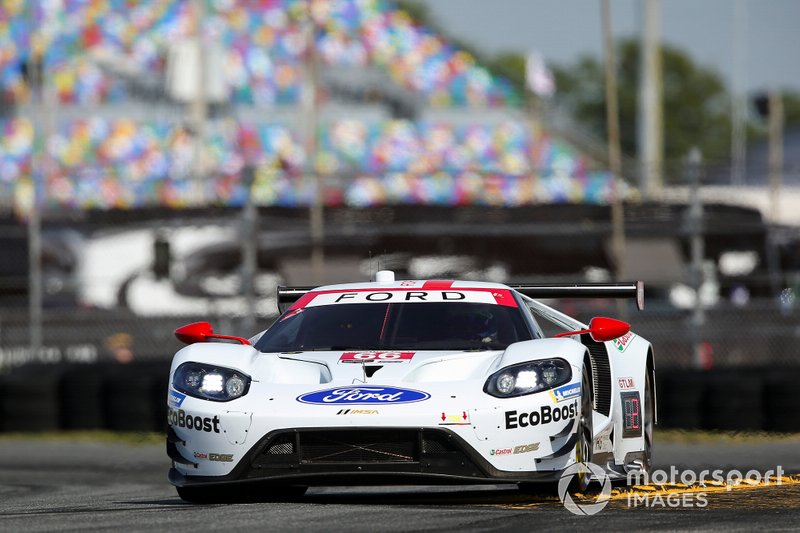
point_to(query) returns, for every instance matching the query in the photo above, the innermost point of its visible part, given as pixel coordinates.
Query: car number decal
(376, 357)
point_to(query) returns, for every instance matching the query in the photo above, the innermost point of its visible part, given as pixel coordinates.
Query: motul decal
(376, 357)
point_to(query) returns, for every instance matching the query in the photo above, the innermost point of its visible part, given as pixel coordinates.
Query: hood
(376, 366)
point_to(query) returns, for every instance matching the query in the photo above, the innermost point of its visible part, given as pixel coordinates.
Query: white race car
(410, 382)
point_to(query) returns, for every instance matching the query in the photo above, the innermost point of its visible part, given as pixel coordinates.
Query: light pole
(249, 250)
(199, 103)
(44, 126)
(697, 246)
(650, 123)
(775, 153)
(614, 152)
(738, 98)
(310, 101)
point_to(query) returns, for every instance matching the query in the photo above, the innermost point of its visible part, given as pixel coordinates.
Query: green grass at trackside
(121, 437)
(672, 436)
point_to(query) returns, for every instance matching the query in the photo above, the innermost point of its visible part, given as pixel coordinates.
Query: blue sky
(563, 30)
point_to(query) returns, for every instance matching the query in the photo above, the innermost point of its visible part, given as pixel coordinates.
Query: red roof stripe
(437, 284)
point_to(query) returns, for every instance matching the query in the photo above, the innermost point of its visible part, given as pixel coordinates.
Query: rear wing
(625, 289)
(289, 295)
(628, 289)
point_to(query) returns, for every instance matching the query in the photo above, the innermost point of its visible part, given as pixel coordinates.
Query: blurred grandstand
(404, 117)
(426, 162)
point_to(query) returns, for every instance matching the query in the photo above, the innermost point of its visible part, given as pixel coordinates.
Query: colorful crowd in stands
(264, 43)
(126, 163)
(121, 163)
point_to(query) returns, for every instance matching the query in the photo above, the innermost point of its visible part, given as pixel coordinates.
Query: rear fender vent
(601, 374)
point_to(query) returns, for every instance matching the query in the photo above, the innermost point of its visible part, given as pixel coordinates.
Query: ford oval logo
(363, 396)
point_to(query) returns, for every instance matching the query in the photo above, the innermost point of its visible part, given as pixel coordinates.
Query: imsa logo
(357, 412)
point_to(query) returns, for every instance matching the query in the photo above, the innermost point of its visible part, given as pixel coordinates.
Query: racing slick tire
(240, 494)
(584, 445)
(583, 449)
(649, 424)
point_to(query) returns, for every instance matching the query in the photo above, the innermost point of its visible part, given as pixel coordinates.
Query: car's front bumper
(360, 456)
(275, 437)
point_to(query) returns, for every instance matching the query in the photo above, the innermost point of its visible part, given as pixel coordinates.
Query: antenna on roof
(384, 276)
(371, 271)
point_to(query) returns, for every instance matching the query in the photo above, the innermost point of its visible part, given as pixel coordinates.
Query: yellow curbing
(662, 490)
(708, 486)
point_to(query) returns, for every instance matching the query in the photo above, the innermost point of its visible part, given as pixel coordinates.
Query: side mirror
(602, 329)
(201, 332)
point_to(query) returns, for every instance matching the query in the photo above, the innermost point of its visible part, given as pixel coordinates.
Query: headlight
(527, 378)
(210, 382)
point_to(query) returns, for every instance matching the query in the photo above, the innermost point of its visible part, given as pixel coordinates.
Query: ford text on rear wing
(632, 289)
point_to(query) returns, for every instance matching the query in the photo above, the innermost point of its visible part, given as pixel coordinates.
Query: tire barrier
(733, 402)
(680, 399)
(132, 397)
(129, 401)
(82, 398)
(29, 400)
(782, 402)
(736, 399)
(118, 397)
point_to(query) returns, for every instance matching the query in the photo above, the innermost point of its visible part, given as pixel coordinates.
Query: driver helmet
(484, 324)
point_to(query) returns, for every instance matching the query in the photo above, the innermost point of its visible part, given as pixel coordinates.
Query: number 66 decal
(376, 357)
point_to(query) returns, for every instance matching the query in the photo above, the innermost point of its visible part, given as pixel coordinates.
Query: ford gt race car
(410, 382)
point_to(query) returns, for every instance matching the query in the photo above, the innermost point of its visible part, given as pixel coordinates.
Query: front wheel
(648, 423)
(584, 444)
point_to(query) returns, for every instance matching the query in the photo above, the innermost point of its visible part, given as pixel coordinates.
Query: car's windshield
(397, 326)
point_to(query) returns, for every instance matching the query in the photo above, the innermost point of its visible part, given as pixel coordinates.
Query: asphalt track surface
(66, 485)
